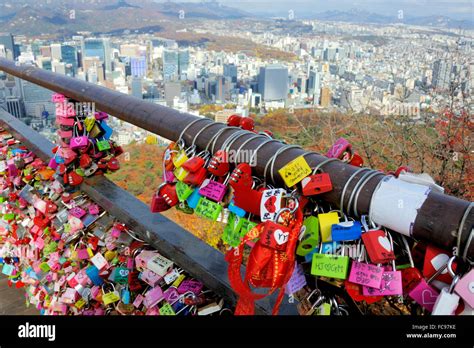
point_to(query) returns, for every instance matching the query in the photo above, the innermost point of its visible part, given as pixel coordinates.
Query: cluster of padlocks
(73, 258)
(84, 145)
(293, 242)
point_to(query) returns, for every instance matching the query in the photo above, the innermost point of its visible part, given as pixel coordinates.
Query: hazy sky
(459, 9)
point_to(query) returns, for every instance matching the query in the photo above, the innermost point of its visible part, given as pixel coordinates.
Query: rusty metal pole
(438, 219)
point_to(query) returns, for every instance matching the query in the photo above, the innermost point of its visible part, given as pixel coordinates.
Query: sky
(457, 9)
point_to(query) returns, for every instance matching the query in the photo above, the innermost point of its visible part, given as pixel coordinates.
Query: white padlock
(447, 301)
(159, 264)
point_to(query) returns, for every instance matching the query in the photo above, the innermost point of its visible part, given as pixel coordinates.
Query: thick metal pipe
(438, 218)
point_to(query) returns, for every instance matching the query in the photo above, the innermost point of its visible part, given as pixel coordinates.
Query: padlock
(275, 235)
(74, 179)
(377, 244)
(111, 296)
(465, 288)
(248, 199)
(208, 209)
(316, 184)
(196, 162)
(152, 297)
(326, 220)
(436, 258)
(447, 301)
(219, 164)
(181, 173)
(309, 303)
(168, 192)
(424, 294)
(113, 164)
(346, 230)
(310, 239)
(247, 123)
(150, 277)
(231, 234)
(235, 209)
(194, 198)
(340, 147)
(91, 170)
(411, 275)
(365, 274)
(391, 282)
(271, 203)
(213, 190)
(159, 264)
(196, 178)
(356, 160)
(329, 265)
(103, 145)
(183, 191)
(241, 177)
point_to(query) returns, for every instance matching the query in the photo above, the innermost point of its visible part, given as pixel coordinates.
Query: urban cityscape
(327, 66)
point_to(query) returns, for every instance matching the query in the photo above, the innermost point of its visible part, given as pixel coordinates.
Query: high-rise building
(107, 55)
(37, 100)
(6, 39)
(136, 87)
(273, 82)
(138, 66)
(175, 63)
(94, 48)
(69, 57)
(170, 65)
(172, 90)
(230, 71)
(44, 63)
(314, 83)
(325, 97)
(45, 51)
(442, 74)
(56, 51)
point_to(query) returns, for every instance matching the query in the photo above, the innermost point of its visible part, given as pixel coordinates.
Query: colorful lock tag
(326, 220)
(270, 204)
(424, 295)
(316, 184)
(183, 191)
(378, 246)
(310, 239)
(208, 209)
(295, 171)
(213, 190)
(366, 274)
(180, 173)
(331, 266)
(346, 231)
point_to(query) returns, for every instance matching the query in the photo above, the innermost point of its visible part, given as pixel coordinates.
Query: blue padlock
(236, 210)
(327, 248)
(346, 230)
(93, 274)
(194, 198)
(126, 296)
(107, 130)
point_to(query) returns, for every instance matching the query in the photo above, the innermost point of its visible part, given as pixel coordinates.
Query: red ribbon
(266, 267)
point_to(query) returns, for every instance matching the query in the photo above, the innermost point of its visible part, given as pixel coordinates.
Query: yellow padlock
(326, 220)
(180, 158)
(178, 281)
(110, 255)
(180, 173)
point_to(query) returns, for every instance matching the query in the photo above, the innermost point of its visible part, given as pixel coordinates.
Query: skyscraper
(56, 51)
(6, 39)
(136, 87)
(183, 61)
(230, 70)
(170, 65)
(314, 85)
(273, 82)
(36, 99)
(94, 48)
(138, 66)
(69, 57)
(325, 97)
(442, 74)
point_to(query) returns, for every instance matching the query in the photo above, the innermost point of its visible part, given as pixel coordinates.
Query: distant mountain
(359, 16)
(35, 17)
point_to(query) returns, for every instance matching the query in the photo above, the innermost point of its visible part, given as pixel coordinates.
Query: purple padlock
(213, 190)
(190, 285)
(152, 297)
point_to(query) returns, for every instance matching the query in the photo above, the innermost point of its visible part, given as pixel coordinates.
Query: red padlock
(74, 179)
(316, 184)
(113, 164)
(248, 199)
(196, 178)
(436, 258)
(356, 160)
(193, 164)
(158, 204)
(219, 164)
(247, 123)
(274, 235)
(234, 120)
(168, 192)
(241, 177)
(62, 169)
(85, 161)
(378, 246)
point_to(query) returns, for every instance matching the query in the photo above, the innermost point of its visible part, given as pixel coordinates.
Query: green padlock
(183, 191)
(185, 208)
(80, 171)
(247, 225)
(121, 275)
(8, 216)
(232, 230)
(103, 145)
(328, 265)
(208, 209)
(311, 236)
(89, 122)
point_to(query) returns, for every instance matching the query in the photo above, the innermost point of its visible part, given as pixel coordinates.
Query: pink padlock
(465, 288)
(150, 277)
(58, 98)
(171, 295)
(391, 284)
(152, 297)
(169, 176)
(93, 209)
(337, 150)
(141, 260)
(424, 295)
(83, 254)
(213, 190)
(366, 274)
(190, 285)
(77, 212)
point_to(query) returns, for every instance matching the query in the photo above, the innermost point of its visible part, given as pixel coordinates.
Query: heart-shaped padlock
(85, 161)
(219, 165)
(74, 179)
(241, 177)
